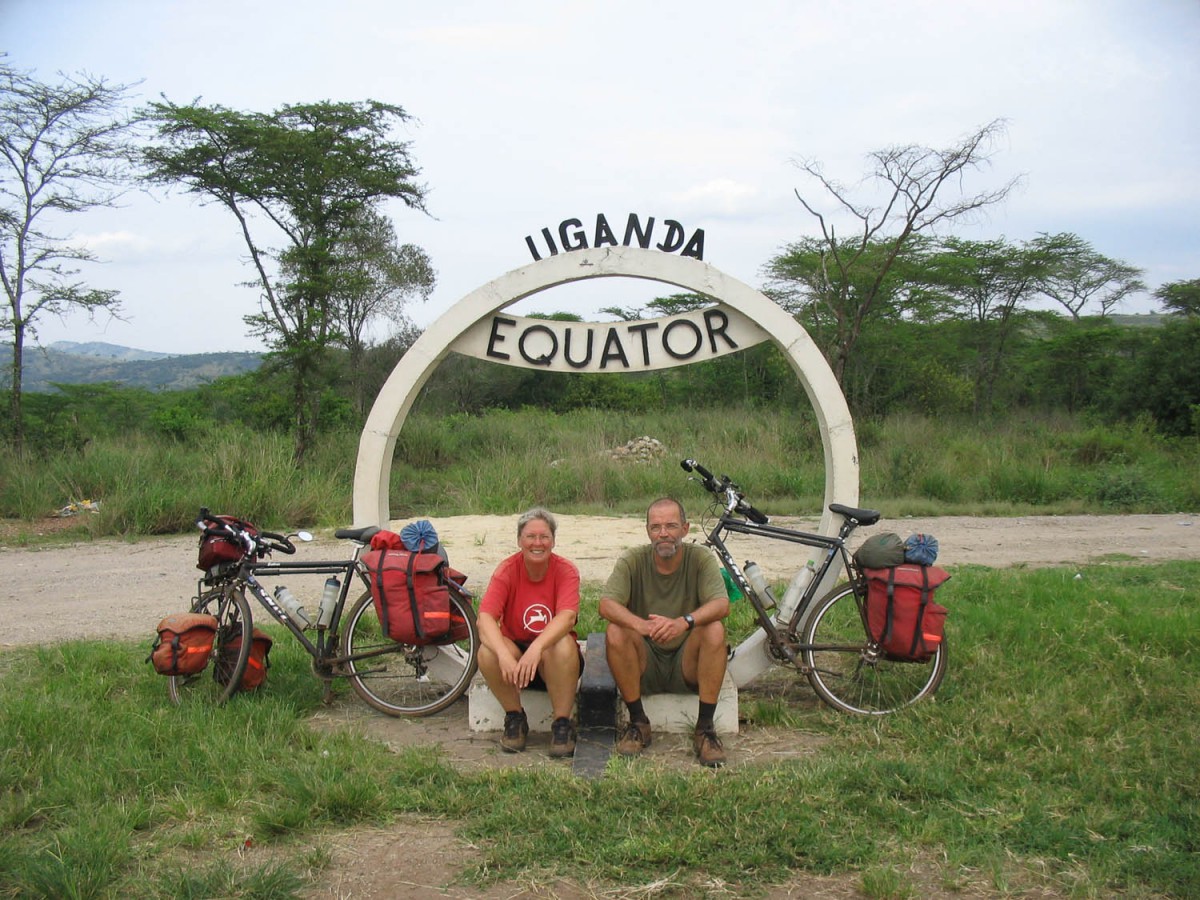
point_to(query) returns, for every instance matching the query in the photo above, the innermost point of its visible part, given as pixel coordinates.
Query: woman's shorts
(538, 684)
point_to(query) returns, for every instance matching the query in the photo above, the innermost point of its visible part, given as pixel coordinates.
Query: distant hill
(107, 351)
(67, 362)
(1141, 320)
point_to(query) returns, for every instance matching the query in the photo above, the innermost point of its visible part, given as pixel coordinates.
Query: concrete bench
(597, 704)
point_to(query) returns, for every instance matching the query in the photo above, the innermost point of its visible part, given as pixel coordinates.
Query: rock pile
(639, 450)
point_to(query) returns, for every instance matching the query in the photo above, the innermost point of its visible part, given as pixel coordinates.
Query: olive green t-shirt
(637, 585)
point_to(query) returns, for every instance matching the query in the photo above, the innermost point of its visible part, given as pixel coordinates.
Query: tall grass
(1059, 757)
(155, 486)
(507, 460)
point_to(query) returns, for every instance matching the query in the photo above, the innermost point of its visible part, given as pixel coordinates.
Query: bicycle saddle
(859, 516)
(362, 535)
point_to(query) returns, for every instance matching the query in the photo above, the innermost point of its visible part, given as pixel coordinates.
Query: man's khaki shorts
(664, 671)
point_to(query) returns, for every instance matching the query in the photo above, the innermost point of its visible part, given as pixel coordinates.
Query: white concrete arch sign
(474, 327)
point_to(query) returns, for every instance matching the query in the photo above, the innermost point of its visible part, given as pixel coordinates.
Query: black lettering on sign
(613, 350)
(587, 355)
(696, 339)
(573, 236)
(715, 323)
(604, 235)
(642, 330)
(545, 358)
(674, 239)
(573, 241)
(624, 346)
(497, 338)
(634, 227)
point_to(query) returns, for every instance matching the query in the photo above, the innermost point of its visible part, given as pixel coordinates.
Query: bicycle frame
(783, 642)
(324, 650)
(395, 678)
(825, 637)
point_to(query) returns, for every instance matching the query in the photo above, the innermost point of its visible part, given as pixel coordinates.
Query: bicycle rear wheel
(850, 672)
(222, 677)
(402, 679)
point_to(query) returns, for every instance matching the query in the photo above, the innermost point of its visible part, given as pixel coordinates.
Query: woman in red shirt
(527, 632)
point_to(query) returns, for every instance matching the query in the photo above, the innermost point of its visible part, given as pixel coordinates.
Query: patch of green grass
(504, 461)
(1059, 754)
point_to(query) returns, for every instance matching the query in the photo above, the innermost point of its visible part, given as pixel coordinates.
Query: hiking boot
(634, 739)
(708, 747)
(562, 737)
(516, 729)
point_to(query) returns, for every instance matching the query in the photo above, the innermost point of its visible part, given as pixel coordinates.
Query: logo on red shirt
(536, 618)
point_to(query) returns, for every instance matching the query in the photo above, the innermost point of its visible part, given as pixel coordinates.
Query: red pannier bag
(901, 614)
(216, 547)
(184, 644)
(411, 595)
(256, 665)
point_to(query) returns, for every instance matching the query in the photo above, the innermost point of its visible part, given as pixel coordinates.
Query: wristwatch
(691, 623)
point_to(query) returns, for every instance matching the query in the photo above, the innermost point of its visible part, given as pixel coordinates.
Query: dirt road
(121, 589)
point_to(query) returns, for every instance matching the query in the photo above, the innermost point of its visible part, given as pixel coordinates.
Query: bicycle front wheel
(221, 679)
(404, 679)
(850, 672)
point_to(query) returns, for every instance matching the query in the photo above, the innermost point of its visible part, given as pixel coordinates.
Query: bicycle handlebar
(735, 500)
(256, 545)
(279, 542)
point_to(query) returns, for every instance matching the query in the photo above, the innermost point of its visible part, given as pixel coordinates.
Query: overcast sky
(529, 113)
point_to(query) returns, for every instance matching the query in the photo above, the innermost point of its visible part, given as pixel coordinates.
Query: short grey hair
(663, 501)
(537, 512)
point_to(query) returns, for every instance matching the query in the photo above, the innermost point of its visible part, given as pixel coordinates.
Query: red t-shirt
(524, 608)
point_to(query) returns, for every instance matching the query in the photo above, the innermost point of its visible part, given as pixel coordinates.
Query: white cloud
(110, 243)
(719, 197)
(530, 113)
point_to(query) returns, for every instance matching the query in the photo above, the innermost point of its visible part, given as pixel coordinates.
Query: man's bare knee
(618, 638)
(712, 636)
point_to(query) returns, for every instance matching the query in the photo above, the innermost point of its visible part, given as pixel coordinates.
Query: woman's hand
(526, 667)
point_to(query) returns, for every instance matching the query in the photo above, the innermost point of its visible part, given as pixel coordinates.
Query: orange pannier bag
(184, 644)
(256, 665)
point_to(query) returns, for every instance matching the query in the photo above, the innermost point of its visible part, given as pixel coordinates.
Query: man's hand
(664, 630)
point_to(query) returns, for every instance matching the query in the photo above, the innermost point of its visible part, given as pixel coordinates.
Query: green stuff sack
(880, 551)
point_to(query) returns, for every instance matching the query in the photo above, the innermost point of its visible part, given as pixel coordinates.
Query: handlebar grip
(280, 541)
(690, 465)
(755, 516)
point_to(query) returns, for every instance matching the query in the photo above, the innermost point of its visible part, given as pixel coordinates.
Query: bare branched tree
(922, 188)
(64, 149)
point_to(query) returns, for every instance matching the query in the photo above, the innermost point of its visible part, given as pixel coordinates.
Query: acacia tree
(376, 278)
(298, 181)
(64, 148)
(918, 190)
(1181, 297)
(1080, 276)
(990, 283)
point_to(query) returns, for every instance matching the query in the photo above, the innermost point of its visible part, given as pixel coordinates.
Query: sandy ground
(112, 588)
